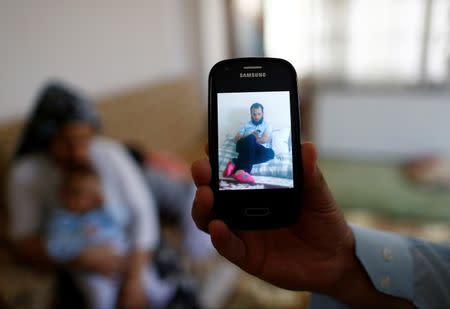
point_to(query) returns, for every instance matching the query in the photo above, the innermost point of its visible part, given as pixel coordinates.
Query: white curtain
(361, 41)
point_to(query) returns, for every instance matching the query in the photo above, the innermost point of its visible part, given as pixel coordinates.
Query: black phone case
(235, 207)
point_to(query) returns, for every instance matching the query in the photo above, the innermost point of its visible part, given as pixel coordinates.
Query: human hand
(290, 257)
(101, 259)
(316, 253)
(132, 294)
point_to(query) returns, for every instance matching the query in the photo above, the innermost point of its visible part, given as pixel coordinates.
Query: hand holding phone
(311, 250)
(315, 253)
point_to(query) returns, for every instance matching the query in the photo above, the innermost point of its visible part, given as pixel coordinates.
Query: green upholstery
(383, 189)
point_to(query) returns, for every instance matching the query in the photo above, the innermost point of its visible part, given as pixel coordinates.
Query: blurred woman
(63, 130)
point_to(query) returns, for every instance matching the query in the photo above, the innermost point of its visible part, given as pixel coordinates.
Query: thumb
(316, 194)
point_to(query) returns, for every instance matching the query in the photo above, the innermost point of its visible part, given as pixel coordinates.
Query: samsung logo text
(252, 75)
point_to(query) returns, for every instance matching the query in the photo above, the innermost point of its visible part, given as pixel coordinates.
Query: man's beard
(256, 123)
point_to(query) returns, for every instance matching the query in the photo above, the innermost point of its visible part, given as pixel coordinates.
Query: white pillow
(280, 140)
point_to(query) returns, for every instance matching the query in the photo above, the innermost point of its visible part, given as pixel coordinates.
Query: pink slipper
(229, 169)
(244, 177)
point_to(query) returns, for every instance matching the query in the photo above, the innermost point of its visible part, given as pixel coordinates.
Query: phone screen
(254, 140)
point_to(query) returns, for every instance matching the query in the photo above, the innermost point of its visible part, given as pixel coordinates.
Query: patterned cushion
(280, 166)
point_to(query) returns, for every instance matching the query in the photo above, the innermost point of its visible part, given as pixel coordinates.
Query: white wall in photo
(234, 110)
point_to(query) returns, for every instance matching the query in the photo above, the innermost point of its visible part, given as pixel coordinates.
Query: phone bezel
(283, 204)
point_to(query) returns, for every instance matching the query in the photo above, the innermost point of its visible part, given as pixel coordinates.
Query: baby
(82, 222)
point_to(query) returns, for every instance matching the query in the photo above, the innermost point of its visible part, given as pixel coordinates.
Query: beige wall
(97, 45)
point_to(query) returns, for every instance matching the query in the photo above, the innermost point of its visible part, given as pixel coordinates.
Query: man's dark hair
(256, 106)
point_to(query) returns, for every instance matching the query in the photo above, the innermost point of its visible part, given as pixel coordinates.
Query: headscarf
(57, 105)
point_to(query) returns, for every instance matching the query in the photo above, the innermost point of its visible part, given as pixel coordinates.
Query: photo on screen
(254, 140)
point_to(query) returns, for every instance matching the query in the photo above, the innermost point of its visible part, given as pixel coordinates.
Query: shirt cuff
(387, 259)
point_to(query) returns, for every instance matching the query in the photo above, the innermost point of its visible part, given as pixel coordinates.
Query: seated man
(251, 144)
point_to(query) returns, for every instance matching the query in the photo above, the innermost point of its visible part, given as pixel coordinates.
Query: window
(361, 41)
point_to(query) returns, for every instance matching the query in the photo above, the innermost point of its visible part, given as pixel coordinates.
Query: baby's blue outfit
(69, 233)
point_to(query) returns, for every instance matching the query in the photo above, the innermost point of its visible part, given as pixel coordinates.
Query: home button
(254, 212)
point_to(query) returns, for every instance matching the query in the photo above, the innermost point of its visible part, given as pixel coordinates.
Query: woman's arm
(102, 259)
(25, 214)
(137, 196)
(31, 250)
(132, 294)
(145, 226)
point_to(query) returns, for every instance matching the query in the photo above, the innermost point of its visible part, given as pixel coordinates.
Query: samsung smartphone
(254, 143)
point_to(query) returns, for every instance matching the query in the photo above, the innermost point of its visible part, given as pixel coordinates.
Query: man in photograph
(251, 145)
